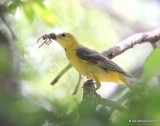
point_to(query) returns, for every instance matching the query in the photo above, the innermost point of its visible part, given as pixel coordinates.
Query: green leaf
(28, 11)
(152, 65)
(13, 5)
(45, 14)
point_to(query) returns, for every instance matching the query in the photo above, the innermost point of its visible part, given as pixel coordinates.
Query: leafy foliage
(27, 99)
(152, 65)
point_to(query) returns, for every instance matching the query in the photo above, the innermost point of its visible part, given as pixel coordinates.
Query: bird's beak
(53, 36)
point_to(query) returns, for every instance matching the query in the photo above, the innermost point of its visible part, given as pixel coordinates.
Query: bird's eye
(63, 35)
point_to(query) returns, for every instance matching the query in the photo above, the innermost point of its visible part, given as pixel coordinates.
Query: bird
(89, 63)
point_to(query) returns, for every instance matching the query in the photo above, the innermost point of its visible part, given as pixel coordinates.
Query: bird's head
(66, 40)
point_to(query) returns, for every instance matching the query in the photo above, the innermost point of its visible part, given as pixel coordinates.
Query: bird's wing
(98, 59)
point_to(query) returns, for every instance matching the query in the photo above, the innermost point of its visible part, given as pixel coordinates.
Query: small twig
(154, 45)
(113, 104)
(61, 74)
(77, 86)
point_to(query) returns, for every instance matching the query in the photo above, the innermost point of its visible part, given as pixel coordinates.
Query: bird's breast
(83, 67)
(77, 63)
(90, 70)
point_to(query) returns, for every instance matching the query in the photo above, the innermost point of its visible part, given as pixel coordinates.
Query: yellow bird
(90, 63)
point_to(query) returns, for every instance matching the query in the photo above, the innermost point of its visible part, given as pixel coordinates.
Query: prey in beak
(47, 38)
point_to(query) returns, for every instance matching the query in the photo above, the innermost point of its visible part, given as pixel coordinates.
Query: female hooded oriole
(88, 62)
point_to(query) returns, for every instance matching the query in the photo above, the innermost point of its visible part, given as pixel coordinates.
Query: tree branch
(151, 36)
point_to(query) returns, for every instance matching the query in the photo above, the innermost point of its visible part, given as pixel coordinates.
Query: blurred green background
(26, 96)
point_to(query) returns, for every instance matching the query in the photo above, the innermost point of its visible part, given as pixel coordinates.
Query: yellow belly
(91, 70)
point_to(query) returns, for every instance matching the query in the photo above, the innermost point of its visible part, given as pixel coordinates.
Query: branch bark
(139, 38)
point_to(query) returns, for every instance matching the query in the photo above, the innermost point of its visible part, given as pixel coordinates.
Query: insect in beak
(47, 39)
